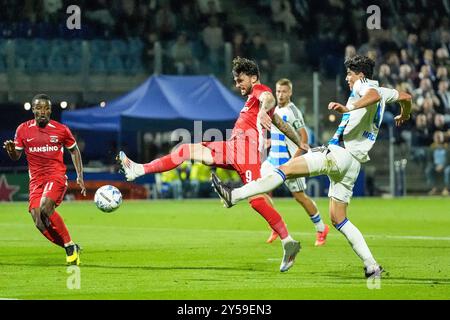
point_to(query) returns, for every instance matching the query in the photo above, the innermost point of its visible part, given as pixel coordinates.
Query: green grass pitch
(198, 250)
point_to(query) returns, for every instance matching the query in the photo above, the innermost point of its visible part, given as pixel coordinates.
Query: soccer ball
(108, 198)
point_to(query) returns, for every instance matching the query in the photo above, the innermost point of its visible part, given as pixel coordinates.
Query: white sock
(318, 222)
(356, 239)
(262, 185)
(139, 169)
(287, 239)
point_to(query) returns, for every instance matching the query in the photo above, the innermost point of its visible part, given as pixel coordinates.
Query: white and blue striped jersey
(282, 148)
(359, 128)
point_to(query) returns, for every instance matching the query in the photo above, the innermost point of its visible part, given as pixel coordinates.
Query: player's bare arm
(78, 163)
(303, 134)
(267, 103)
(10, 148)
(404, 99)
(371, 97)
(287, 130)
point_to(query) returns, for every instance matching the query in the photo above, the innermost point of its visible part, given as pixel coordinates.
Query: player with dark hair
(43, 141)
(241, 152)
(360, 64)
(282, 149)
(341, 159)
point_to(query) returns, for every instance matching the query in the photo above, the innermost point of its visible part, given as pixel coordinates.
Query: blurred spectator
(165, 22)
(426, 73)
(428, 59)
(405, 74)
(52, 10)
(412, 47)
(375, 56)
(130, 25)
(149, 51)
(441, 74)
(32, 11)
(386, 43)
(372, 44)
(384, 76)
(393, 62)
(420, 140)
(188, 13)
(399, 33)
(428, 109)
(282, 15)
(442, 58)
(209, 7)
(438, 163)
(445, 40)
(443, 95)
(350, 51)
(213, 40)
(425, 90)
(183, 58)
(302, 10)
(240, 48)
(405, 58)
(98, 13)
(258, 51)
(439, 124)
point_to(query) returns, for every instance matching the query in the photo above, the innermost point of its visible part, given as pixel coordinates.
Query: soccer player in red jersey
(43, 141)
(241, 152)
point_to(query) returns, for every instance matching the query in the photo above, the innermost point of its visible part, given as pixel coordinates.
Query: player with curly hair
(240, 153)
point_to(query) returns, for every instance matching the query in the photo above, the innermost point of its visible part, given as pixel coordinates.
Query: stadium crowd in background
(411, 49)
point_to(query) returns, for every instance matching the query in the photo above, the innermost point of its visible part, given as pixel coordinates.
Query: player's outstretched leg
(180, 154)
(131, 169)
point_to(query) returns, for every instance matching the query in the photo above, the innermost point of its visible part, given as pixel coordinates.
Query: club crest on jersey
(53, 139)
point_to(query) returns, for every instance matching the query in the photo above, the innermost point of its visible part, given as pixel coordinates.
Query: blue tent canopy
(162, 103)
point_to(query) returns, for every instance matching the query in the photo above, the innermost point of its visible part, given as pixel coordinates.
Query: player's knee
(36, 215)
(47, 209)
(286, 169)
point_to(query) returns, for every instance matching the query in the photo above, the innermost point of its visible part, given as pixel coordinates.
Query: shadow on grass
(122, 267)
(391, 279)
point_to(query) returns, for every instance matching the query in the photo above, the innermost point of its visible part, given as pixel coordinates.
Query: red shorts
(237, 154)
(51, 187)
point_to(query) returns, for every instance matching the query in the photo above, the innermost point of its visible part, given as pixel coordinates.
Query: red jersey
(44, 148)
(248, 123)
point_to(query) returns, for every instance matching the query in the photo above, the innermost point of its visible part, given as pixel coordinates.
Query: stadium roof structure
(162, 103)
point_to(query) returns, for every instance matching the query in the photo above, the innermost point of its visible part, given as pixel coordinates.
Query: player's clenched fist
(9, 145)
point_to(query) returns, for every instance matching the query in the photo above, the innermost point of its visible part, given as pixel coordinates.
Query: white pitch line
(409, 237)
(375, 236)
